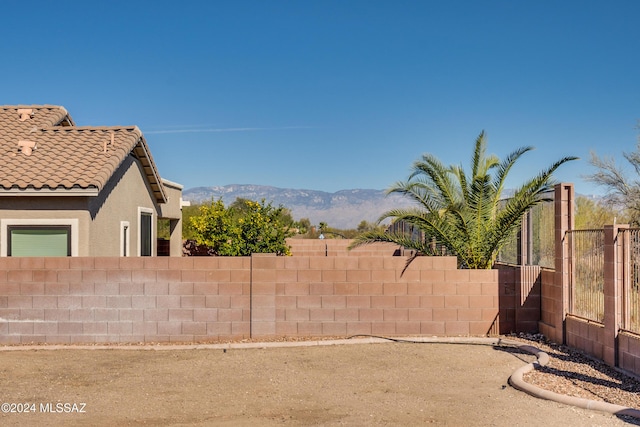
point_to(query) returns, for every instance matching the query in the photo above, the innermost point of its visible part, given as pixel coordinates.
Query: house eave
(57, 192)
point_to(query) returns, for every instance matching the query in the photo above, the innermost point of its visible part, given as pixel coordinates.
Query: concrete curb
(516, 379)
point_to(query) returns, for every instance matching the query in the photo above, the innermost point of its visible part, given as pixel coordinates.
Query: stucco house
(67, 190)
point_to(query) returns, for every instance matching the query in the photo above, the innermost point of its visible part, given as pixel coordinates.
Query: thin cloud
(212, 130)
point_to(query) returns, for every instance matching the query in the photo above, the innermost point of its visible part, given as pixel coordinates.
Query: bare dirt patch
(366, 384)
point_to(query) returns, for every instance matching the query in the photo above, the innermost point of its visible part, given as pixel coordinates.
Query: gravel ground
(572, 373)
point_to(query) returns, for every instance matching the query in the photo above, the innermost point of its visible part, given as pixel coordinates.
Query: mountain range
(344, 209)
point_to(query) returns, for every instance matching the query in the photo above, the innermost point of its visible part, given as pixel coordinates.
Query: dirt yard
(364, 384)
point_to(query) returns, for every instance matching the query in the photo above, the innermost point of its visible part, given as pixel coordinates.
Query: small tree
(622, 193)
(244, 228)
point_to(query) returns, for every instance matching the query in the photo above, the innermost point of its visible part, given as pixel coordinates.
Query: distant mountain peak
(341, 209)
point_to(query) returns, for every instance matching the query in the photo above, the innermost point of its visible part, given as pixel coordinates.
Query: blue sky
(330, 95)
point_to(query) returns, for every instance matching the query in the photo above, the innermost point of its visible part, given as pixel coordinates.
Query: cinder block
(32, 263)
(81, 289)
(322, 288)
(94, 301)
(192, 301)
(370, 288)
(107, 263)
(31, 289)
(358, 328)
(119, 301)
(42, 328)
(386, 276)
(321, 314)
(70, 328)
(407, 301)
(180, 314)
(395, 314)
(420, 314)
(408, 328)
(104, 314)
(56, 288)
(445, 314)
(133, 315)
(171, 328)
(288, 329)
(20, 328)
(120, 328)
(383, 301)
(432, 328)
(481, 301)
(456, 301)
(371, 314)
(469, 314)
(240, 276)
(456, 328)
(445, 288)
(143, 276)
(334, 301)
(194, 328)
(383, 328)
(170, 276)
(146, 329)
(41, 301)
(215, 329)
(308, 276)
(108, 288)
(205, 314)
(20, 276)
(156, 315)
(58, 263)
(193, 275)
(230, 288)
(20, 301)
(347, 314)
(358, 301)
(81, 315)
(332, 276)
(309, 301)
(35, 314)
(357, 276)
(71, 302)
(94, 328)
(180, 288)
(394, 289)
(143, 301)
(230, 315)
(9, 288)
(218, 276)
(156, 263)
(217, 301)
(346, 288)
(334, 329)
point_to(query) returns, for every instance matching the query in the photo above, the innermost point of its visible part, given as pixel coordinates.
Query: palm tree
(463, 213)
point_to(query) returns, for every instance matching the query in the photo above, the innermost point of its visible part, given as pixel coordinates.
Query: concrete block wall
(165, 299)
(343, 296)
(338, 247)
(629, 352)
(156, 299)
(585, 335)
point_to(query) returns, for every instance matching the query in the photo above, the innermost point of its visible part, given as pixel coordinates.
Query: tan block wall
(629, 352)
(586, 336)
(86, 299)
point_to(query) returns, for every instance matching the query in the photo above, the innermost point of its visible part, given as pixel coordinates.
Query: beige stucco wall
(121, 200)
(20, 208)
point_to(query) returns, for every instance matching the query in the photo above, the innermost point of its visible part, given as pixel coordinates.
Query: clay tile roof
(61, 156)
